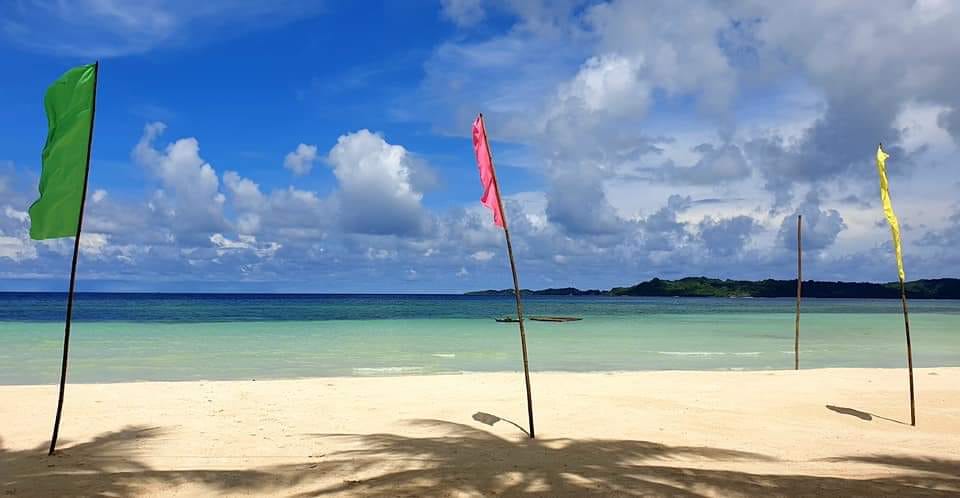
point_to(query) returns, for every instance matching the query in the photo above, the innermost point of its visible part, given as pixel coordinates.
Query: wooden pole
(516, 283)
(73, 268)
(796, 333)
(903, 301)
(906, 325)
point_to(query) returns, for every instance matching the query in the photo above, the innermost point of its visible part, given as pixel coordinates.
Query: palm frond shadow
(110, 465)
(458, 459)
(930, 465)
(472, 461)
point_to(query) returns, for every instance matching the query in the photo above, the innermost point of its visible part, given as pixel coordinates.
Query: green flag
(66, 156)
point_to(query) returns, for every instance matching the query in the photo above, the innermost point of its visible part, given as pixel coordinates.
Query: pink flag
(490, 197)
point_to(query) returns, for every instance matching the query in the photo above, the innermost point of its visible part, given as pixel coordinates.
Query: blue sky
(324, 146)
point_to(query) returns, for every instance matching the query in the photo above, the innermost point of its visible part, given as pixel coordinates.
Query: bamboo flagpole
(70, 104)
(796, 333)
(487, 169)
(73, 267)
(898, 251)
(906, 326)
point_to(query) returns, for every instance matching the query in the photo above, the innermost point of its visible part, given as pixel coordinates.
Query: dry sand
(598, 434)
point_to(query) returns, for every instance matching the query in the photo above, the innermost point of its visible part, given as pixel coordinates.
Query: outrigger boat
(554, 319)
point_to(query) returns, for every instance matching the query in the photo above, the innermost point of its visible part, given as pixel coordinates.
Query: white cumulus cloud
(376, 180)
(197, 203)
(244, 243)
(301, 160)
(93, 244)
(21, 216)
(481, 256)
(17, 248)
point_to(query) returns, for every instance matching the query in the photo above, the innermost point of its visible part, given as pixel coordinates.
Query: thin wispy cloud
(112, 28)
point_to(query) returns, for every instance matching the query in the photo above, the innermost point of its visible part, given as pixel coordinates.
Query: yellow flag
(888, 208)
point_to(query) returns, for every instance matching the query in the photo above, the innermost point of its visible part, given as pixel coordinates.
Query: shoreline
(815, 432)
(785, 371)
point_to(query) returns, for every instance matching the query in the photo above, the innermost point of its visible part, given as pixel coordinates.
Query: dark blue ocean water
(142, 307)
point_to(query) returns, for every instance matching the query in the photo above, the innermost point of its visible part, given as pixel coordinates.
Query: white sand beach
(830, 432)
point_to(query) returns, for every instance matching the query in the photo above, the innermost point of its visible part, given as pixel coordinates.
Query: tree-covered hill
(940, 288)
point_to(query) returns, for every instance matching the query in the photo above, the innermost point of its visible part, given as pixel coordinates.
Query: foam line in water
(386, 370)
(691, 353)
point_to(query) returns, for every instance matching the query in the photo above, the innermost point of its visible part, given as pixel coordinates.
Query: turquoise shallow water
(151, 337)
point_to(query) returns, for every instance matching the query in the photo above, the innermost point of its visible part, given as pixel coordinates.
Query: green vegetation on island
(939, 288)
(566, 291)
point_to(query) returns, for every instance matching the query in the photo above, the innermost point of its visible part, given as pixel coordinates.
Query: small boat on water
(554, 319)
(557, 319)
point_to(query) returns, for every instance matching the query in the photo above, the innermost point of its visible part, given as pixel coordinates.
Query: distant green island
(937, 288)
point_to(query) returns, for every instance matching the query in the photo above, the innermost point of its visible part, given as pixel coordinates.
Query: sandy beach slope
(831, 432)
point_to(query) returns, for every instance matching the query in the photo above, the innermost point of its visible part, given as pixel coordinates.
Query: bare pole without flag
(796, 333)
(73, 268)
(516, 282)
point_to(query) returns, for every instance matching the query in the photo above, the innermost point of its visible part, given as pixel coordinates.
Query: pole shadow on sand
(458, 459)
